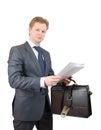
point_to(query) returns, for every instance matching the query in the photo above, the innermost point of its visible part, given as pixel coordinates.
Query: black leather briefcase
(72, 100)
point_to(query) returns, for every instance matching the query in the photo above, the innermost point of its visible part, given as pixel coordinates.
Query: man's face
(37, 33)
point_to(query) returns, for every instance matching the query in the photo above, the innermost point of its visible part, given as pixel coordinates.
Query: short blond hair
(39, 20)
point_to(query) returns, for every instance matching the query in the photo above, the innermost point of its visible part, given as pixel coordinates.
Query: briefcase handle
(73, 80)
(70, 78)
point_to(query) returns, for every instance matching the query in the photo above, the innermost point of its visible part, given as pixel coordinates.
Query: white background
(74, 35)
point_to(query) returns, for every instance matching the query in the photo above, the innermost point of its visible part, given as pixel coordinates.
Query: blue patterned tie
(40, 59)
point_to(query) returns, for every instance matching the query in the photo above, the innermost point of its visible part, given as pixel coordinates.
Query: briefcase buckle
(65, 111)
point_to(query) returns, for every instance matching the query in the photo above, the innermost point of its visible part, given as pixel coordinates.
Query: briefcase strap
(68, 96)
(67, 99)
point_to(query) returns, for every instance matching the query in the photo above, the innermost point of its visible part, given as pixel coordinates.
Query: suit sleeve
(16, 77)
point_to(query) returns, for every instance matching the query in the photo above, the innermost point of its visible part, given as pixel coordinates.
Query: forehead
(40, 25)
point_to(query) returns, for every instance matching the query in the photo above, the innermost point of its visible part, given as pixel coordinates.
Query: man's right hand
(52, 80)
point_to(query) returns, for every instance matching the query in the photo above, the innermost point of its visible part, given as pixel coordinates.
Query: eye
(43, 31)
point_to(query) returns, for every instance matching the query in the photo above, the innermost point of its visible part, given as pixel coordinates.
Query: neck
(36, 43)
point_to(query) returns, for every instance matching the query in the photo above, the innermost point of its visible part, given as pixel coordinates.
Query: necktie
(40, 59)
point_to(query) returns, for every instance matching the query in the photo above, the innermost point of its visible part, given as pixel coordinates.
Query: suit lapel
(33, 57)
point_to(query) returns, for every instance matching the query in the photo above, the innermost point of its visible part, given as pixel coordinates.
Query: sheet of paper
(70, 69)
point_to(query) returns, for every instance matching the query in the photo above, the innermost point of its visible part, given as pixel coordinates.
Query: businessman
(30, 73)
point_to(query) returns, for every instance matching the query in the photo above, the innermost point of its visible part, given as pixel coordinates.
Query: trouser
(45, 123)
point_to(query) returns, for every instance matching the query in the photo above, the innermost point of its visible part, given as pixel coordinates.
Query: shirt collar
(31, 43)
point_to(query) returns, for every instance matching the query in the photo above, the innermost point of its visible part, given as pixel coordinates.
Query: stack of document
(70, 69)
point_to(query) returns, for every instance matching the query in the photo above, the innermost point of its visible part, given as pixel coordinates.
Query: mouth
(40, 38)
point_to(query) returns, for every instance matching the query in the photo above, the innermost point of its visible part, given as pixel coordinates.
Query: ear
(29, 29)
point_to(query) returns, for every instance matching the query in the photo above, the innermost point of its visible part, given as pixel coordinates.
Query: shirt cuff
(42, 84)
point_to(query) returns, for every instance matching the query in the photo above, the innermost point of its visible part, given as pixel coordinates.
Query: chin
(39, 40)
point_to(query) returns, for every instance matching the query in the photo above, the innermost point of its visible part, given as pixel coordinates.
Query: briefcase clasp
(65, 111)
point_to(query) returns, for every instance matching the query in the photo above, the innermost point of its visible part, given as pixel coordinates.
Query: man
(31, 104)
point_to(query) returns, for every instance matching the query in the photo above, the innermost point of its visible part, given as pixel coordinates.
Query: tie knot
(38, 48)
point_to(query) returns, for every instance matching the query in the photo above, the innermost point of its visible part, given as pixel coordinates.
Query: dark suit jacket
(24, 75)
